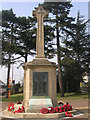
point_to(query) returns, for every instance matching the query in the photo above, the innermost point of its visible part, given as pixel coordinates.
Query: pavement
(81, 105)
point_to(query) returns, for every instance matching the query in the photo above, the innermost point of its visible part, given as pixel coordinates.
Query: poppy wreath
(51, 110)
(60, 109)
(68, 114)
(57, 109)
(63, 108)
(44, 110)
(16, 111)
(11, 107)
(66, 108)
(20, 110)
(69, 107)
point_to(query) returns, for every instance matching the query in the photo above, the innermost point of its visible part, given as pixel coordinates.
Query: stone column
(26, 86)
(40, 13)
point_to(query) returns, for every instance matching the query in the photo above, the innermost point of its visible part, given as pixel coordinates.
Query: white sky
(42, 0)
(24, 8)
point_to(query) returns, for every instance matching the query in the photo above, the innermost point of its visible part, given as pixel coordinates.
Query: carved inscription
(40, 84)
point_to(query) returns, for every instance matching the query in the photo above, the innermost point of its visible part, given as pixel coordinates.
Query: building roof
(2, 83)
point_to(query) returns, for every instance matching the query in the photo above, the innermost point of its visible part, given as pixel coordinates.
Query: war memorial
(39, 79)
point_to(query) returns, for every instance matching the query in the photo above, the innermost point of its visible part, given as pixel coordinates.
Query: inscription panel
(40, 84)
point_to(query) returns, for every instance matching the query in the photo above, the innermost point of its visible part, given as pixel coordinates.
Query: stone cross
(40, 13)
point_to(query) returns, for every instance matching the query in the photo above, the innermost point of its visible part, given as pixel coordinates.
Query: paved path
(80, 103)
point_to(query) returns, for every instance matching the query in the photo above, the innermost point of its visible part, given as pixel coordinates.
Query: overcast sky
(25, 9)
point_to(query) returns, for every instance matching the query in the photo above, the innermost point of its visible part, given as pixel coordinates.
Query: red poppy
(60, 109)
(16, 111)
(68, 114)
(11, 107)
(44, 110)
(20, 110)
(11, 103)
(57, 109)
(51, 110)
(63, 108)
(69, 107)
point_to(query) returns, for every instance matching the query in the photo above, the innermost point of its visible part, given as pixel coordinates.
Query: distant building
(86, 77)
(2, 88)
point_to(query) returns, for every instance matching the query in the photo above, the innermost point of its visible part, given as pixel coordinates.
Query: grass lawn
(68, 96)
(14, 98)
(73, 96)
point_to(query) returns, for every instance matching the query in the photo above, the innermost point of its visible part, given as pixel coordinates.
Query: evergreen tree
(19, 37)
(60, 20)
(48, 43)
(79, 46)
(8, 40)
(27, 35)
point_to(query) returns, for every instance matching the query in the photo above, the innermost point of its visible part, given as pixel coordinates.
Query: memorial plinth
(40, 74)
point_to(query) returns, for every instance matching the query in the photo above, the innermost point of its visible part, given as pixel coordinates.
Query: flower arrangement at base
(57, 109)
(20, 110)
(60, 109)
(69, 107)
(63, 108)
(51, 110)
(44, 110)
(68, 114)
(11, 107)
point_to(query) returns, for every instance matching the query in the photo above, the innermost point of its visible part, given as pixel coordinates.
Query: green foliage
(59, 21)
(9, 37)
(75, 49)
(19, 37)
(8, 15)
(68, 96)
(82, 84)
(72, 96)
(15, 88)
(27, 35)
(14, 98)
(48, 38)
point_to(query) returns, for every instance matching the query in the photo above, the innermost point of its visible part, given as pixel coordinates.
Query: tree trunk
(26, 57)
(8, 76)
(79, 73)
(59, 63)
(9, 60)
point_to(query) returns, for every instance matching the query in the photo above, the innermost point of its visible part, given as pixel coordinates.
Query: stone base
(39, 65)
(35, 105)
(36, 115)
(40, 61)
